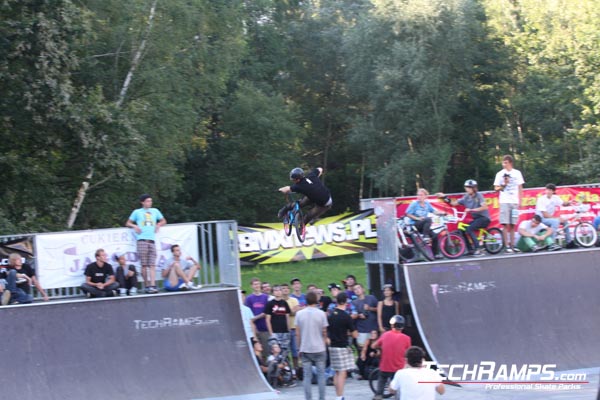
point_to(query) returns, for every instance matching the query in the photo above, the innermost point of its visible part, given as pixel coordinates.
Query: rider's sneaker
(478, 253)
(509, 250)
(281, 212)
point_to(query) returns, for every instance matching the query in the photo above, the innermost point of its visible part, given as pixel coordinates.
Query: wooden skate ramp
(537, 308)
(188, 345)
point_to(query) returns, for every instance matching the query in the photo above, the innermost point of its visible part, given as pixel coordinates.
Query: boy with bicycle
(476, 206)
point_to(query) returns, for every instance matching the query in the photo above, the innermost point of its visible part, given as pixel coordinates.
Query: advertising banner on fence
(62, 257)
(588, 196)
(344, 234)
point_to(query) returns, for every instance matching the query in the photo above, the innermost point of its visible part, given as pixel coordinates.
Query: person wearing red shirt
(393, 345)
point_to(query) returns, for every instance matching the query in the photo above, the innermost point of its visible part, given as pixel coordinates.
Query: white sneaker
(122, 292)
(508, 250)
(184, 286)
(133, 291)
(190, 285)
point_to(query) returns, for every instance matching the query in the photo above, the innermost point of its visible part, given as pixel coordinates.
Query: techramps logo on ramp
(496, 376)
(168, 322)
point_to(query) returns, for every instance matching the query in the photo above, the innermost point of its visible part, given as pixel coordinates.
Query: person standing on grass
(311, 337)
(257, 302)
(340, 327)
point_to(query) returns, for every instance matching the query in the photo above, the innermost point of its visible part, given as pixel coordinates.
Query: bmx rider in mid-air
(314, 191)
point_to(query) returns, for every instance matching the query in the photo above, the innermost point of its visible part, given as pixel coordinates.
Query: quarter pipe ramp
(522, 309)
(168, 346)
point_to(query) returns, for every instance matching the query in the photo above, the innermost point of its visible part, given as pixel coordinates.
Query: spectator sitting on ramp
(409, 381)
(393, 346)
(535, 236)
(100, 277)
(126, 276)
(179, 274)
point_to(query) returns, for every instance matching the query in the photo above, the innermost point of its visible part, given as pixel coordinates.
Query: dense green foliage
(207, 104)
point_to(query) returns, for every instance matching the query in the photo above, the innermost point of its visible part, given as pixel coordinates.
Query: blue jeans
(596, 223)
(16, 294)
(554, 223)
(473, 230)
(318, 359)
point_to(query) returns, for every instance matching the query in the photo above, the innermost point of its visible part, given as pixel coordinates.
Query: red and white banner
(62, 257)
(582, 194)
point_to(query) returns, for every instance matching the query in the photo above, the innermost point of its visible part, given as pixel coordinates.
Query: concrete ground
(356, 390)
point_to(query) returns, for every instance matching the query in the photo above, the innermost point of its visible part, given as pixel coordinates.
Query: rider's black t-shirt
(312, 187)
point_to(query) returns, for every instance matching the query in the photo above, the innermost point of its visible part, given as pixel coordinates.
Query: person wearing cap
(335, 289)
(477, 208)
(314, 191)
(126, 276)
(409, 381)
(146, 222)
(546, 207)
(393, 345)
(340, 329)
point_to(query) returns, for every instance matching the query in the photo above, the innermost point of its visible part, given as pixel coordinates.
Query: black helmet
(470, 183)
(297, 173)
(397, 321)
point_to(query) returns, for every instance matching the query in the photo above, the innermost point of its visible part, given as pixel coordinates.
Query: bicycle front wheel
(287, 225)
(493, 241)
(585, 234)
(299, 225)
(452, 245)
(421, 246)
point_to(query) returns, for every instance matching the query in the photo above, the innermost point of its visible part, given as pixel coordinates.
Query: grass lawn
(320, 272)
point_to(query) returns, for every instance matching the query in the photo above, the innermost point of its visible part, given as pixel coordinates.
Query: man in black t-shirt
(100, 277)
(314, 191)
(340, 327)
(277, 313)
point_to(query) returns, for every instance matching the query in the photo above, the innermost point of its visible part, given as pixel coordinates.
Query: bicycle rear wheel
(585, 234)
(493, 241)
(421, 246)
(299, 225)
(373, 378)
(452, 245)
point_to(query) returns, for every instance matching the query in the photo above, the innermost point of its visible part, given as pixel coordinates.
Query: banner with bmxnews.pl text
(343, 234)
(62, 257)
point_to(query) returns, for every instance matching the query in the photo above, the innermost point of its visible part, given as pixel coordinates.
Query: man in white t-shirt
(536, 236)
(546, 207)
(509, 184)
(416, 382)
